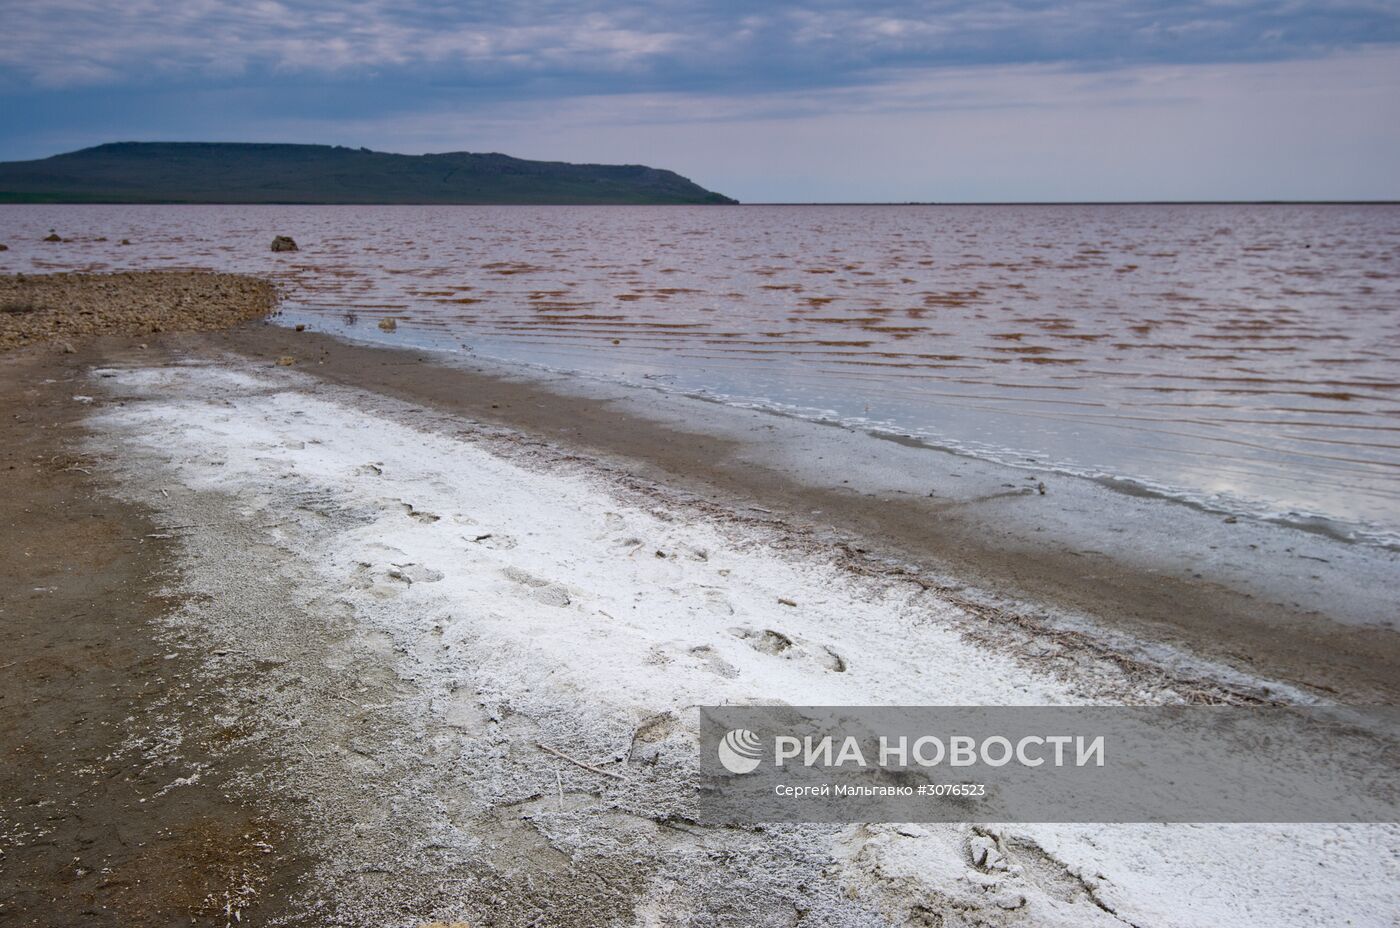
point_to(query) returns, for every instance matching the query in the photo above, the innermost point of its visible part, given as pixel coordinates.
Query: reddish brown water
(1243, 357)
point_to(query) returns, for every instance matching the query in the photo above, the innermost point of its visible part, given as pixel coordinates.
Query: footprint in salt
(712, 662)
(766, 641)
(462, 709)
(718, 603)
(414, 573)
(551, 594)
(492, 540)
(776, 643)
(418, 515)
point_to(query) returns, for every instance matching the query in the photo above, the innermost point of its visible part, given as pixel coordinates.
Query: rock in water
(284, 243)
(388, 324)
(4, 247)
(53, 237)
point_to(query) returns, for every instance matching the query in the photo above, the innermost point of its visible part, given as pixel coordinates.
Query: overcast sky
(838, 100)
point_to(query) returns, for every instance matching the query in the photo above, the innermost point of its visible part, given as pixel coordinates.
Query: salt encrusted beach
(413, 643)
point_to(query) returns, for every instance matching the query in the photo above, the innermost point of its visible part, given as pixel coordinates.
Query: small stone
(284, 243)
(67, 348)
(286, 361)
(125, 241)
(301, 327)
(53, 237)
(388, 324)
(4, 247)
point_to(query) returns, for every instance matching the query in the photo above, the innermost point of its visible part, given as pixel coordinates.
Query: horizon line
(1271, 202)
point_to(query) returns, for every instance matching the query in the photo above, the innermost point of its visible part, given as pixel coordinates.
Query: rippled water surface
(1241, 357)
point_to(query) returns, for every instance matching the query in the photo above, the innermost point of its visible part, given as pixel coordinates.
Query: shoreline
(448, 628)
(437, 608)
(1307, 610)
(1144, 390)
(452, 351)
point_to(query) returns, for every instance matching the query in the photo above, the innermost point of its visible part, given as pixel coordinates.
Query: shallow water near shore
(1245, 359)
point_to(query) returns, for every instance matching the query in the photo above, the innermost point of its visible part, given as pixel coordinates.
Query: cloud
(59, 43)
(1318, 129)
(822, 99)
(618, 47)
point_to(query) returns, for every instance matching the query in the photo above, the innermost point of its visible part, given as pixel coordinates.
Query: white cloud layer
(57, 43)
(792, 100)
(1301, 130)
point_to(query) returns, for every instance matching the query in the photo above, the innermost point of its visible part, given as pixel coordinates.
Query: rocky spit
(66, 308)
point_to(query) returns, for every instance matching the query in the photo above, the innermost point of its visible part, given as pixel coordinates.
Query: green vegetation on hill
(216, 172)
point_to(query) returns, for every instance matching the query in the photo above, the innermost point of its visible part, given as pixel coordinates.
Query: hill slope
(216, 172)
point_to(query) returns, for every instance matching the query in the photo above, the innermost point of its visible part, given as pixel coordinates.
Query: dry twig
(578, 763)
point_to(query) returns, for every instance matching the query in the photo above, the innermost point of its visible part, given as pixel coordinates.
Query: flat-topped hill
(219, 172)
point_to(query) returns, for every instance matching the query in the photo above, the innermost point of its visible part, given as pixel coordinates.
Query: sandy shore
(367, 609)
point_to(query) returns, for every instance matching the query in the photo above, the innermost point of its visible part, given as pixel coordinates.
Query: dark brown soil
(100, 710)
